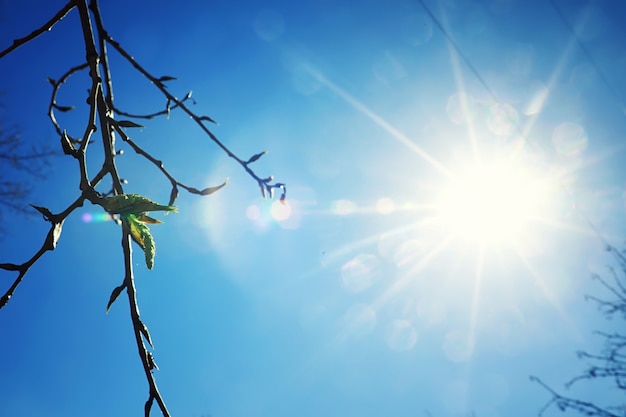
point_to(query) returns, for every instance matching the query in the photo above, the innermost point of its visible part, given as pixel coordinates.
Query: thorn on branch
(4, 300)
(148, 406)
(208, 119)
(255, 157)
(146, 334)
(173, 195)
(151, 363)
(67, 145)
(208, 190)
(63, 109)
(10, 267)
(47, 214)
(114, 294)
(127, 123)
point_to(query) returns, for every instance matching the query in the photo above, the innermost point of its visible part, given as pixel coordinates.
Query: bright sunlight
(494, 201)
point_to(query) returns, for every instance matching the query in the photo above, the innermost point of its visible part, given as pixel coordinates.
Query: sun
(494, 202)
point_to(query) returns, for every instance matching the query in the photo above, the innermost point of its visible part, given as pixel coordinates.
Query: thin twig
(264, 183)
(105, 118)
(46, 27)
(611, 363)
(144, 354)
(55, 88)
(101, 117)
(95, 9)
(166, 112)
(159, 164)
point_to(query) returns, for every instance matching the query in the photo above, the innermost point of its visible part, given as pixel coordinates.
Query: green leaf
(136, 228)
(144, 218)
(124, 204)
(149, 250)
(141, 235)
(132, 209)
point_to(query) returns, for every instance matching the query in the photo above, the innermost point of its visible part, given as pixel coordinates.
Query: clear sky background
(354, 299)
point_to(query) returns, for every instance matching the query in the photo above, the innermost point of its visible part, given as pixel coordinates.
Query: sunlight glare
(280, 210)
(253, 212)
(343, 207)
(493, 203)
(385, 206)
(96, 217)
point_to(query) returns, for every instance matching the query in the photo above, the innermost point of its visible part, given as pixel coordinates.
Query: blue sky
(354, 302)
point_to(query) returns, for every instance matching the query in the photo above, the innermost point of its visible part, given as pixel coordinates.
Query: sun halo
(493, 202)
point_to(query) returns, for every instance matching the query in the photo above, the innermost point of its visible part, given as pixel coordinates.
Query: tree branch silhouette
(608, 365)
(128, 209)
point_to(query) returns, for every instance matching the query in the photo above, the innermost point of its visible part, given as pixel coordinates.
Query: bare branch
(610, 364)
(264, 185)
(46, 27)
(101, 117)
(55, 88)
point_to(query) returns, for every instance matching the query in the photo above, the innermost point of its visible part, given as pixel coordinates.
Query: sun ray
(401, 282)
(591, 161)
(587, 230)
(460, 83)
(556, 73)
(356, 245)
(506, 185)
(395, 133)
(456, 47)
(552, 299)
(476, 296)
(576, 40)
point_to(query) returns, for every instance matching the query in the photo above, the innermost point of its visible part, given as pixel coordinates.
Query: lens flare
(96, 217)
(493, 202)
